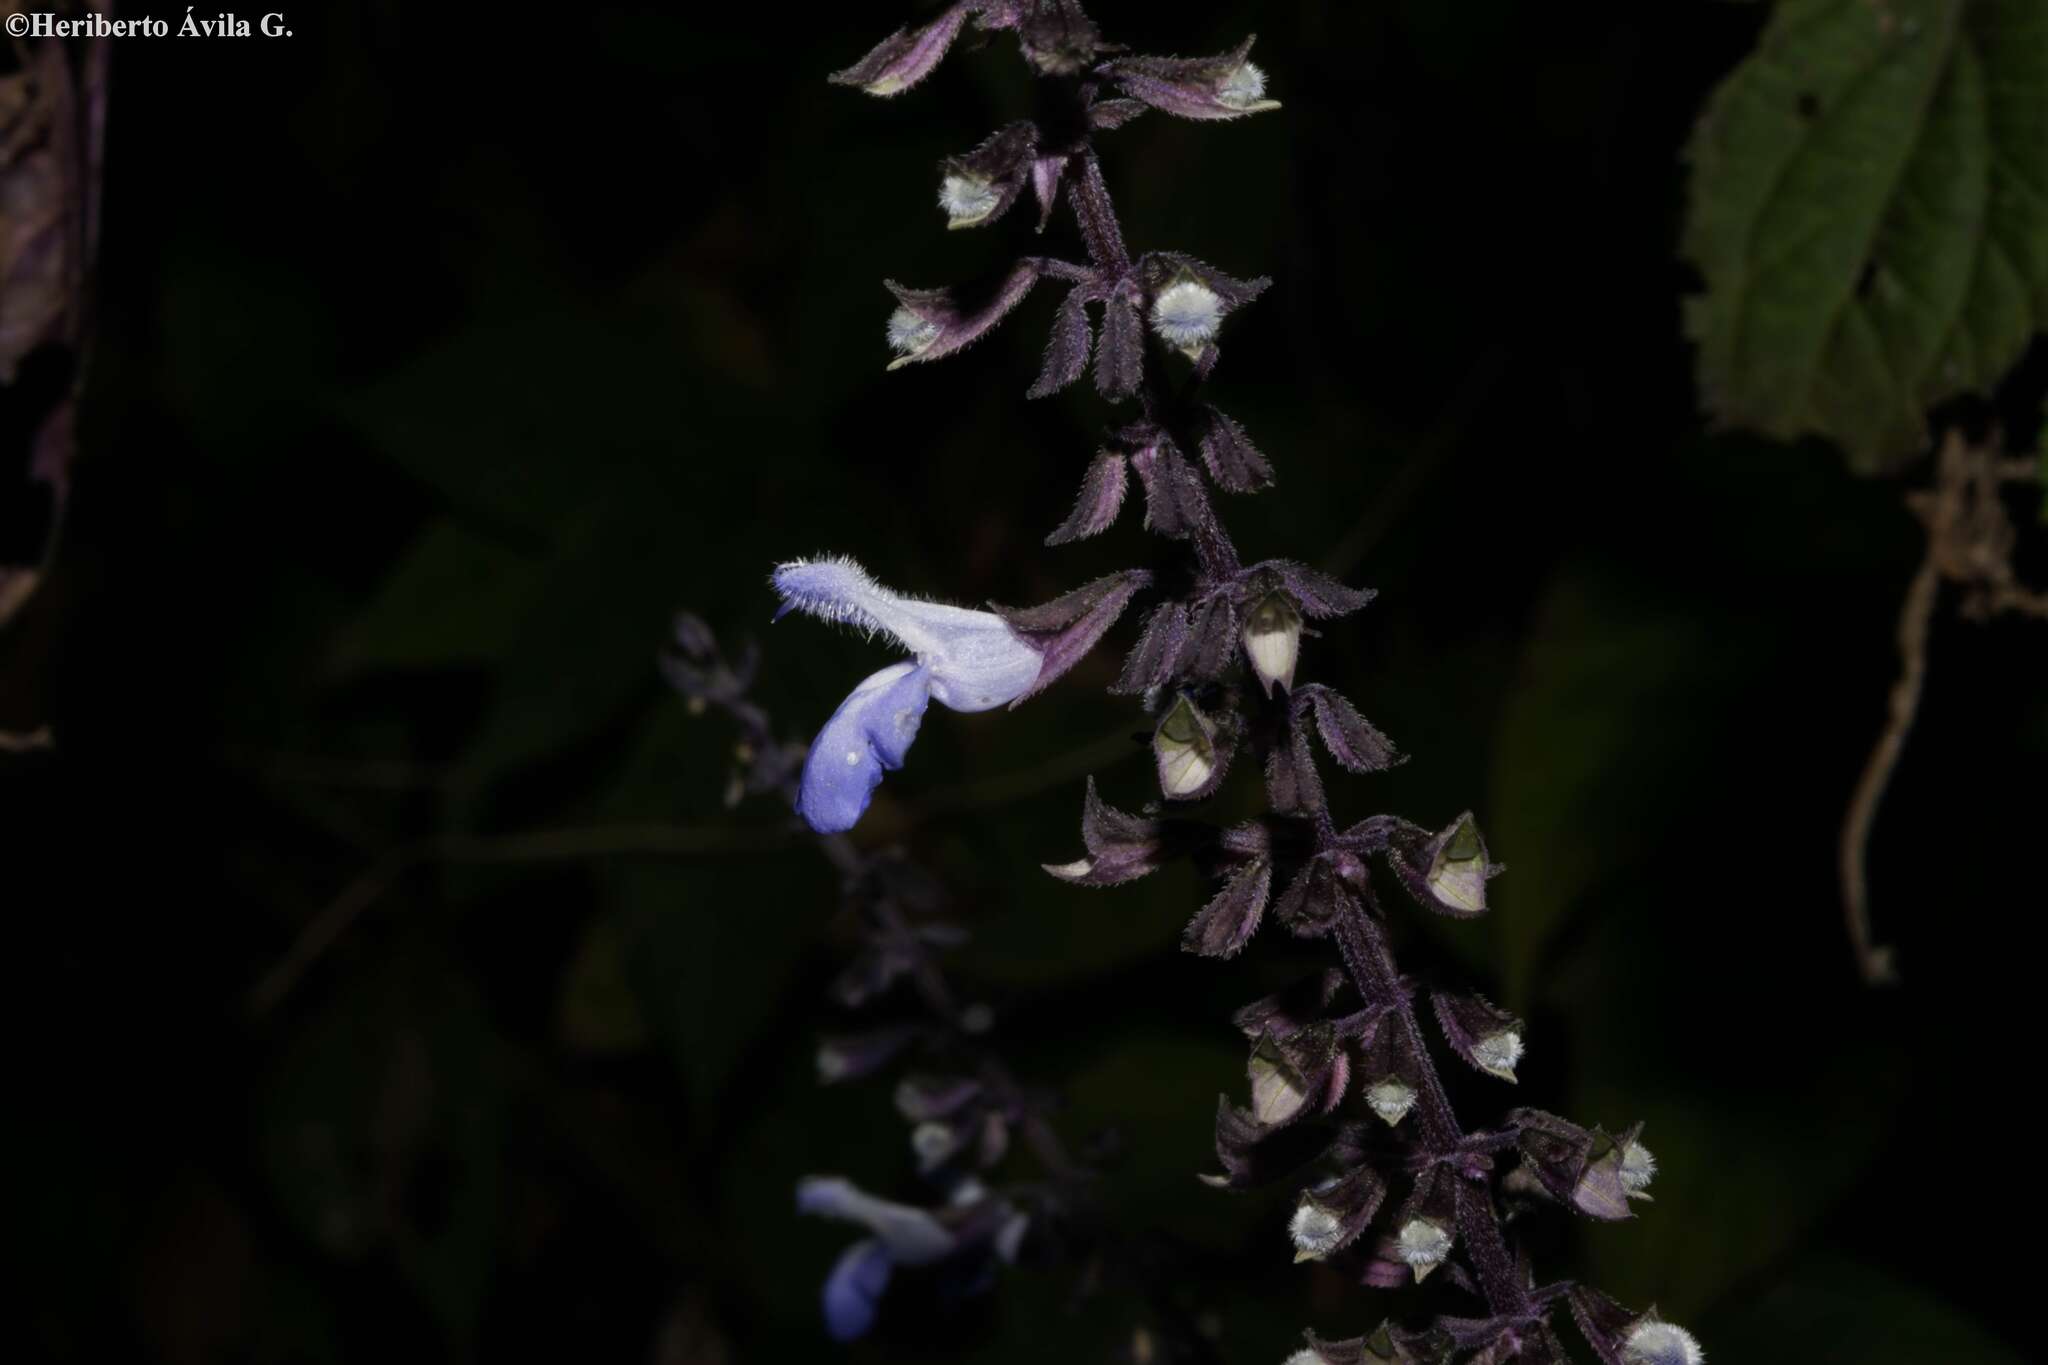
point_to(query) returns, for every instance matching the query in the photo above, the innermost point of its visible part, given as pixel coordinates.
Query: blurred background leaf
(1836, 1307)
(1868, 214)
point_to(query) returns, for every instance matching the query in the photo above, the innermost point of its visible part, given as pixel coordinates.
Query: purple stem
(1364, 949)
(1359, 940)
(1095, 214)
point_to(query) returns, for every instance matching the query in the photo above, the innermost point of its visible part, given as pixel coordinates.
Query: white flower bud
(909, 334)
(1651, 1342)
(1185, 750)
(1245, 89)
(1423, 1245)
(967, 199)
(1638, 1169)
(1272, 641)
(833, 1063)
(933, 1142)
(1497, 1053)
(1010, 1237)
(1391, 1100)
(1457, 874)
(1305, 1356)
(1278, 1094)
(1186, 314)
(1316, 1230)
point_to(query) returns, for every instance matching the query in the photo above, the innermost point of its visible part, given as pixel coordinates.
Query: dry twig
(26, 741)
(1970, 540)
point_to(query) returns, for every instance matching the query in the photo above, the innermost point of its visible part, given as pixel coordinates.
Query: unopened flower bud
(1222, 86)
(848, 1057)
(1497, 1053)
(1638, 1168)
(1278, 1091)
(1391, 1100)
(967, 199)
(1186, 315)
(1185, 746)
(909, 334)
(934, 1143)
(1244, 89)
(1653, 1342)
(922, 1098)
(1422, 1244)
(1482, 1033)
(1457, 873)
(1272, 641)
(1601, 1191)
(1330, 1217)
(1316, 1230)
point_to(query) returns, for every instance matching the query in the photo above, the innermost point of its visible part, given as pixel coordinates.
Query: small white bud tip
(967, 199)
(1651, 1342)
(1316, 1231)
(1496, 1054)
(1391, 1100)
(932, 1141)
(1186, 314)
(909, 334)
(1422, 1246)
(1638, 1169)
(1245, 89)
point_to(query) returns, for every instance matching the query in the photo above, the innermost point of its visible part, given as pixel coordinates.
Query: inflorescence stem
(1360, 940)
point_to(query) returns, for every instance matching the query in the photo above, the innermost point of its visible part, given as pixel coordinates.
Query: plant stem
(1359, 940)
(1364, 949)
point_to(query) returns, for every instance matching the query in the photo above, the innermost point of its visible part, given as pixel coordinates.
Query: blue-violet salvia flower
(973, 1224)
(966, 660)
(902, 1235)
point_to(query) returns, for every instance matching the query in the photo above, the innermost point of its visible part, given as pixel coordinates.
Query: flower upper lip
(975, 660)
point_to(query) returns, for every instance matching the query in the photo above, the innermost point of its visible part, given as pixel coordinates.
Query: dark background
(438, 364)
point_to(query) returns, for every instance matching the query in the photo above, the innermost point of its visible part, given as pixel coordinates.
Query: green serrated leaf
(1869, 211)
